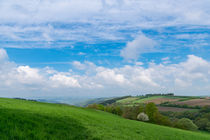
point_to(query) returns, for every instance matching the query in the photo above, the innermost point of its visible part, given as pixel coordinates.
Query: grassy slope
(147, 99)
(21, 119)
(137, 100)
(127, 100)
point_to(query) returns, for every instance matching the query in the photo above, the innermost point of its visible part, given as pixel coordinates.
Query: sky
(104, 48)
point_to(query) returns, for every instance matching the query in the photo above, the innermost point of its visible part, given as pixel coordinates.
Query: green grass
(127, 100)
(147, 99)
(27, 120)
(134, 100)
(131, 101)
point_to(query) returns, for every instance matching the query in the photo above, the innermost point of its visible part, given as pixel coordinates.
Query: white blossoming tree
(142, 117)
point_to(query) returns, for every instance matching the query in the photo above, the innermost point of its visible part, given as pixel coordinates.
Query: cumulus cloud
(110, 76)
(63, 80)
(27, 75)
(141, 44)
(190, 77)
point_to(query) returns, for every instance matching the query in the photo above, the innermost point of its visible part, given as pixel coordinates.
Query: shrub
(203, 124)
(96, 106)
(113, 109)
(93, 106)
(187, 124)
(207, 115)
(131, 112)
(118, 111)
(142, 117)
(205, 109)
(161, 119)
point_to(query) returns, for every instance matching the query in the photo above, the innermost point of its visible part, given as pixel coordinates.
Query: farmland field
(195, 102)
(173, 109)
(20, 119)
(128, 100)
(161, 100)
(155, 99)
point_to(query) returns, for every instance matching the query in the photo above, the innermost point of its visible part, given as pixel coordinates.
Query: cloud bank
(150, 12)
(40, 24)
(190, 77)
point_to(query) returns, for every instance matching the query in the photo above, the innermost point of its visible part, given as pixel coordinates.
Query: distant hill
(159, 99)
(104, 101)
(30, 120)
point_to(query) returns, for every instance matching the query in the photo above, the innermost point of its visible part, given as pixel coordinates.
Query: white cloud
(91, 20)
(141, 44)
(165, 58)
(3, 55)
(64, 80)
(88, 66)
(79, 65)
(192, 36)
(109, 76)
(152, 12)
(46, 11)
(139, 63)
(27, 75)
(190, 77)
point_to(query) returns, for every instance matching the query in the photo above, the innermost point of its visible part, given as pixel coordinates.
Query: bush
(207, 115)
(205, 109)
(131, 112)
(96, 106)
(142, 117)
(203, 124)
(186, 124)
(114, 110)
(161, 119)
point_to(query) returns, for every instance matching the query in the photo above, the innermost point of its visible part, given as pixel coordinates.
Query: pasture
(20, 119)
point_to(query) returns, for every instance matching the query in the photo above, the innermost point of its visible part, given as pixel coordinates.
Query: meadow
(31, 120)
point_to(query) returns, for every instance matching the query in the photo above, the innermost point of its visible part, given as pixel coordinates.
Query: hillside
(21, 119)
(160, 100)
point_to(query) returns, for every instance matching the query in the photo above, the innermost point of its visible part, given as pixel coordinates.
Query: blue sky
(104, 47)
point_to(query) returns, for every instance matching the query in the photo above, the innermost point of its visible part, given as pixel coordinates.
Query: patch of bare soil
(173, 109)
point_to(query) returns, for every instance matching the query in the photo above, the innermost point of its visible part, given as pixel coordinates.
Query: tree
(100, 107)
(113, 109)
(131, 112)
(118, 110)
(141, 108)
(187, 124)
(96, 106)
(151, 110)
(161, 119)
(203, 124)
(142, 117)
(205, 109)
(207, 115)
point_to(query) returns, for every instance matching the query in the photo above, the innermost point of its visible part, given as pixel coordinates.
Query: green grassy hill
(25, 120)
(130, 101)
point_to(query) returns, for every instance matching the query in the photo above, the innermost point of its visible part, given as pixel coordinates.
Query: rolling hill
(160, 100)
(21, 119)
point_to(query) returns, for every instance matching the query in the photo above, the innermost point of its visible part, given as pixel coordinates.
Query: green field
(25, 120)
(132, 101)
(128, 100)
(147, 99)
